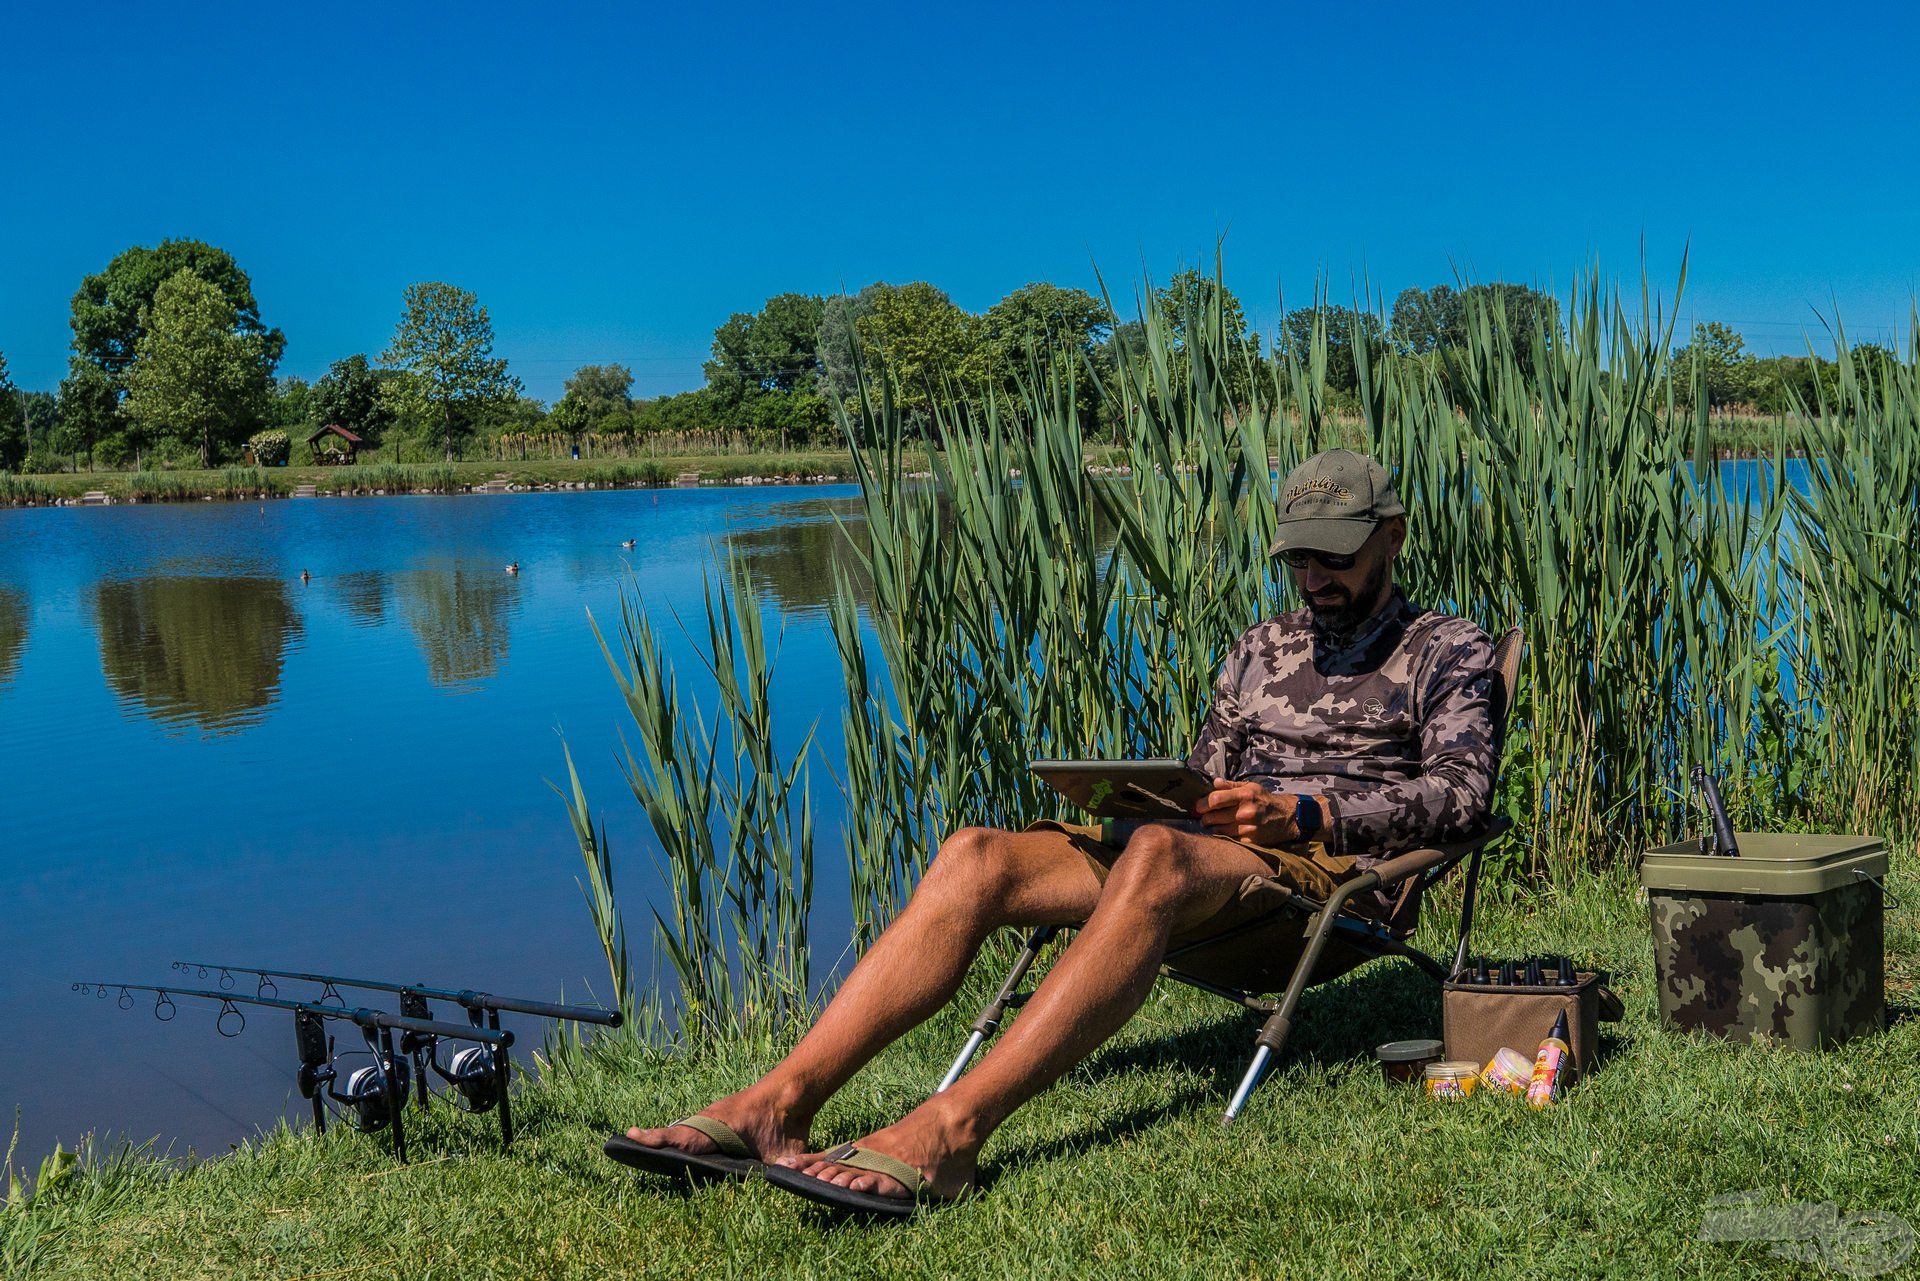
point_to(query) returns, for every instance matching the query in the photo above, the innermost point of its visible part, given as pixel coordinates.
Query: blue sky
(613, 181)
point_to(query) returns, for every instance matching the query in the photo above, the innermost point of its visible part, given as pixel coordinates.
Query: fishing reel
(373, 1093)
(474, 1077)
(475, 1073)
(372, 1096)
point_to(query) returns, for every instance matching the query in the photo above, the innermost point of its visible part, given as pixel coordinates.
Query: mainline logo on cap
(1319, 485)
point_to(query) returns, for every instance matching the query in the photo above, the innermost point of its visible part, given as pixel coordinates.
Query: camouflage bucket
(1782, 942)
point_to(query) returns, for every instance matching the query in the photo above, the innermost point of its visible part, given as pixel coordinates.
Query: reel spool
(472, 1074)
(366, 1093)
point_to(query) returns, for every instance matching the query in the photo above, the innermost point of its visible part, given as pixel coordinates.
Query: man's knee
(973, 864)
(1158, 867)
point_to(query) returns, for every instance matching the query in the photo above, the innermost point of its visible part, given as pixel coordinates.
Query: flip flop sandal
(846, 1200)
(734, 1160)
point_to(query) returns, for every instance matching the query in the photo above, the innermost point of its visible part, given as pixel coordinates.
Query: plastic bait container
(1507, 1072)
(1452, 1082)
(1407, 1060)
(1783, 942)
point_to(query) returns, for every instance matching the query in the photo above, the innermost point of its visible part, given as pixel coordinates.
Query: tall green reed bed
(1019, 604)
(229, 484)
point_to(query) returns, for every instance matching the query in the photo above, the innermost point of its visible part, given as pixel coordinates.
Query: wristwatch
(1307, 818)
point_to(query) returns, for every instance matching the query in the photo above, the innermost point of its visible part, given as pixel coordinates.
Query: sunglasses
(1298, 557)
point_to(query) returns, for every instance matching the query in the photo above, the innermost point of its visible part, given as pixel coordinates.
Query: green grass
(1120, 1170)
(279, 482)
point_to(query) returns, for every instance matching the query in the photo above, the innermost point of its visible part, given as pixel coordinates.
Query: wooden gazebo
(333, 453)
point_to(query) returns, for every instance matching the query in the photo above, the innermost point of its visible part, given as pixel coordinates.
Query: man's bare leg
(980, 880)
(1165, 880)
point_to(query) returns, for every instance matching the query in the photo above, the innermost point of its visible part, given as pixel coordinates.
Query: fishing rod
(373, 1095)
(478, 1075)
(466, 997)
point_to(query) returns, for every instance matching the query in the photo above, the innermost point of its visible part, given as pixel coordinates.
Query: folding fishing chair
(1362, 936)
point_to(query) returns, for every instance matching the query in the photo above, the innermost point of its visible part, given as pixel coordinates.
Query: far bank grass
(1120, 1170)
(244, 483)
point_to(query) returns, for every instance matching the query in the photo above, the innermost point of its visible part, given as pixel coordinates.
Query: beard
(1342, 618)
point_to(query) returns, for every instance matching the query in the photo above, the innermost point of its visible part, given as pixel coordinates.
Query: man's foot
(939, 1147)
(769, 1128)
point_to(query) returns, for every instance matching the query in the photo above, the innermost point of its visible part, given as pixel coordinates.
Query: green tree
(1344, 328)
(795, 417)
(13, 421)
(1717, 360)
(681, 414)
(596, 397)
(46, 432)
(348, 395)
(1429, 321)
(1191, 296)
(290, 407)
(89, 409)
(775, 350)
(444, 346)
(1775, 383)
(928, 347)
(197, 376)
(837, 347)
(1038, 319)
(600, 390)
(109, 316)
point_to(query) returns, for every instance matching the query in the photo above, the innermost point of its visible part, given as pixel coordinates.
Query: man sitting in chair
(1338, 734)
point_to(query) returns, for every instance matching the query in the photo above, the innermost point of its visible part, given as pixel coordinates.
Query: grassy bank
(251, 483)
(1120, 1170)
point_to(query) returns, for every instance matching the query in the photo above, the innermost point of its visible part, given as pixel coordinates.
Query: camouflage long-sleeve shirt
(1392, 729)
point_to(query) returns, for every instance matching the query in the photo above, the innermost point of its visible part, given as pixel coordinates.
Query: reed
(733, 819)
(395, 478)
(1019, 603)
(174, 487)
(24, 491)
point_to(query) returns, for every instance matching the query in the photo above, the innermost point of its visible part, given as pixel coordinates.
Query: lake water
(204, 757)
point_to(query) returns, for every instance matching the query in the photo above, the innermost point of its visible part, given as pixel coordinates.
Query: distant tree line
(172, 365)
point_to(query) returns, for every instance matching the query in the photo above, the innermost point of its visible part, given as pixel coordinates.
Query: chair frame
(1413, 872)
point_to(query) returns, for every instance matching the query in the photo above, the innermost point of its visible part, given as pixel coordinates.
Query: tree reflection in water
(791, 558)
(459, 614)
(364, 594)
(195, 650)
(13, 630)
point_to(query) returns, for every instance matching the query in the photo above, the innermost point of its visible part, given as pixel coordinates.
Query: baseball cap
(1332, 501)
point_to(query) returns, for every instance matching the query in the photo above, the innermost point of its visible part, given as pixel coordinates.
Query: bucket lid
(1407, 1051)
(1771, 863)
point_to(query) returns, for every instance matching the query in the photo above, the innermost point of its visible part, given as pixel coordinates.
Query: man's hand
(1248, 812)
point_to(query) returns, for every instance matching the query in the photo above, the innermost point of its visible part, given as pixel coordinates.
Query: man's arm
(1450, 798)
(1216, 750)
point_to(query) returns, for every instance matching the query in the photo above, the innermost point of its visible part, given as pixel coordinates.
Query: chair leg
(1273, 1035)
(1009, 996)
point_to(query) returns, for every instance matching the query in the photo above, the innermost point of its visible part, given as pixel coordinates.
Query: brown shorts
(1253, 942)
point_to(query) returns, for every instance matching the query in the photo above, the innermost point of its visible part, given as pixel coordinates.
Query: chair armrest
(1401, 866)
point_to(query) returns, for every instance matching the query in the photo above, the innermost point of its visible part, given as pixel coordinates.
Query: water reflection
(794, 559)
(13, 630)
(459, 612)
(364, 594)
(195, 650)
